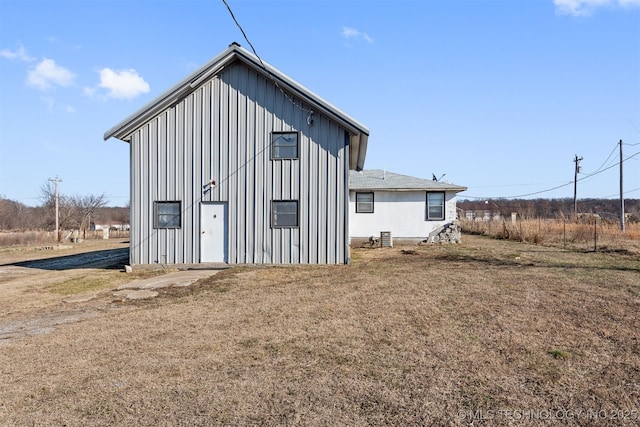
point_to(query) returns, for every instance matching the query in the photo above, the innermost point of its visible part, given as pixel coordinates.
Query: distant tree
(73, 212)
(83, 208)
(48, 198)
(15, 215)
(123, 214)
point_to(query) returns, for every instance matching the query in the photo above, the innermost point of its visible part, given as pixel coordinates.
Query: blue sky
(497, 95)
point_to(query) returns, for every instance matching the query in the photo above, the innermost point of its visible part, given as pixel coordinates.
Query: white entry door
(213, 232)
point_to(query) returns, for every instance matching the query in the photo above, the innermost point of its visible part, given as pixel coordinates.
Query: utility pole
(57, 180)
(575, 185)
(621, 192)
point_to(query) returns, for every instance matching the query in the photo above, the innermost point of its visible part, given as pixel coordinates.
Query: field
(485, 332)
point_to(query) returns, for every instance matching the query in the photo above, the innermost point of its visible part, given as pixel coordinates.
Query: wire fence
(589, 234)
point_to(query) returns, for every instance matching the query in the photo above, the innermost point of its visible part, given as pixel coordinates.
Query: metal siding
(303, 202)
(232, 160)
(250, 164)
(206, 161)
(241, 158)
(150, 160)
(171, 183)
(135, 204)
(222, 131)
(346, 244)
(267, 178)
(314, 199)
(332, 235)
(322, 198)
(276, 176)
(259, 206)
(180, 142)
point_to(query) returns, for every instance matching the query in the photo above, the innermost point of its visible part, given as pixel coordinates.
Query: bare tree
(65, 211)
(74, 212)
(83, 208)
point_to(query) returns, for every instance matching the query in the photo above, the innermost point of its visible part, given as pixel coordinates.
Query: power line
(631, 157)
(264, 67)
(243, 33)
(609, 167)
(615, 147)
(526, 195)
(615, 195)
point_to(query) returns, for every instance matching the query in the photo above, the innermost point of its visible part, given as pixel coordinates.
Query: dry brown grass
(581, 235)
(10, 239)
(429, 338)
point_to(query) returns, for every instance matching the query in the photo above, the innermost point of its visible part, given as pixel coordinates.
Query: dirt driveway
(37, 283)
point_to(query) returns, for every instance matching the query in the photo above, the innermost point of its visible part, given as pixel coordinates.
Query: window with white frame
(167, 214)
(435, 206)
(284, 145)
(364, 202)
(284, 213)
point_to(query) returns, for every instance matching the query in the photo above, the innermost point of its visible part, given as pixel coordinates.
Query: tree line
(552, 208)
(74, 212)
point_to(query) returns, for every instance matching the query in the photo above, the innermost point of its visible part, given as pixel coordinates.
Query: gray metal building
(238, 163)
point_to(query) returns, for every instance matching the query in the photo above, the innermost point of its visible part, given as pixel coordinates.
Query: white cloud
(20, 54)
(349, 33)
(586, 7)
(120, 84)
(47, 73)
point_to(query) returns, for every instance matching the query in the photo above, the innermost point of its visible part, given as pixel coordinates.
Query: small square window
(284, 145)
(284, 213)
(435, 206)
(167, 214)
(364, 202)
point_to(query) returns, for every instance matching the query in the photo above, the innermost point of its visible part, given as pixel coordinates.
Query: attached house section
(407, 207)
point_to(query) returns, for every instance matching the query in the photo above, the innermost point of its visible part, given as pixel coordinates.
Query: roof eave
(357, 151)
(456, 189)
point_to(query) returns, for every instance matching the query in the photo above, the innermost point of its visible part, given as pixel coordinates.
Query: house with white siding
(408, 208)
(238, 163)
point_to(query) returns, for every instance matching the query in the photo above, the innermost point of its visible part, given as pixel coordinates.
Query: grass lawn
(506, 333)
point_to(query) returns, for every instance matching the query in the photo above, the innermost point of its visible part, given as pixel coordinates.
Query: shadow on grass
(107, 259)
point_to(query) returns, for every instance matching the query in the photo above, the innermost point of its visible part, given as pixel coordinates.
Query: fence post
(564, 233)
(595, 235)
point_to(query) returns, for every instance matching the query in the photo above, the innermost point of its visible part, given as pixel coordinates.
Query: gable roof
(359, 133)
(376, 179)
